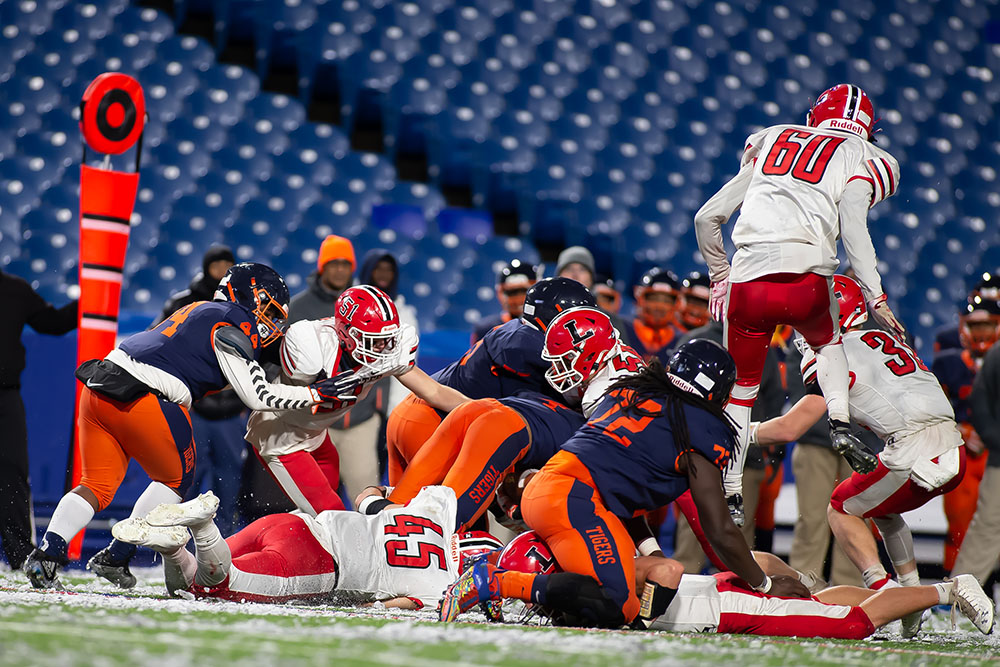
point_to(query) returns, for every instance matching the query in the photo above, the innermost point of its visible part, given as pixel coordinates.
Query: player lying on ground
(135, 405)
(893, 394)
(800, 188)
(654, 436)
(481, 442)
(508, 359)
(404, 557)
(361, 344)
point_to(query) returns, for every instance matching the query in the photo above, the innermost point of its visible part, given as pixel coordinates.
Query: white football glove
(717, 300)
(406, 351)
(879, 308)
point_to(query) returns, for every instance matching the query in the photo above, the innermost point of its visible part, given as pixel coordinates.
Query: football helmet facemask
(367, 325)
(261, 290)
(577, 342)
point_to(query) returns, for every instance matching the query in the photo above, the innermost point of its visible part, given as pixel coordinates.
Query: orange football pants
(473, 449)
(410, 425)
(563, 506)
(960, 505)
(154, 432)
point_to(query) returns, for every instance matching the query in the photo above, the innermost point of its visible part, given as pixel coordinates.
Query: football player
(654, 327)
(696, 288)
(506, 360)
(134, 404)
(361, 344)
(513, 283)
(894, 395)
(652, 437)
(403, 557)
(799, 189)
(979, 329)
(481, 442)
(988, 287)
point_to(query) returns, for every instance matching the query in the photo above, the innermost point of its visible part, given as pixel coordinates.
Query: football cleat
(970, 599)
(910, 624)
(117, 573)
(858, 456)
(479, 584)
(192, 512)
(158, 538)
(42, 570)
(736, 511)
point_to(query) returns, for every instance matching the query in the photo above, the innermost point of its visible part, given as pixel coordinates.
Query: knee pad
(582, 601)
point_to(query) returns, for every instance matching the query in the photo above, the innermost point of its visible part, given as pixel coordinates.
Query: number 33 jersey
(409, 551)
(790, 216)
(892, 391)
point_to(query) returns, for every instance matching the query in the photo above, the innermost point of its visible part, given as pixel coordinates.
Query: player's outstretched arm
(438, 395)
(705, 480)
(234, 353)
(790, 426)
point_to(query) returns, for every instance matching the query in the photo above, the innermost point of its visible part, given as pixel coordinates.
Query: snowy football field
(96, 624)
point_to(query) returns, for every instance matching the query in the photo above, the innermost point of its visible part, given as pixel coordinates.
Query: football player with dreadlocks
(654, 435)
(135, 405)
(800, 188)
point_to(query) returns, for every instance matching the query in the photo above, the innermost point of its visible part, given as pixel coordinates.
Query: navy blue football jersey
(633, 459)
(182, 344)
(551, 424)
(956, 371)
(508, 359)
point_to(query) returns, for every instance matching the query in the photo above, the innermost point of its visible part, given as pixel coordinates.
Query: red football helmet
(979, 325)
(853, 310)
(576, 343)
(528, 553)
(367, 325)
(475, 543)
(843, 107)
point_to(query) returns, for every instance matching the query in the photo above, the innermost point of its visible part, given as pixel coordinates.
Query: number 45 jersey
(790, 215)
(409, 551)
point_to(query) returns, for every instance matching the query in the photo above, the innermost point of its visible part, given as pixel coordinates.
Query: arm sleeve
(47, 319)
(716, 211)
(984, 400)
(857, 242)
(247, 377)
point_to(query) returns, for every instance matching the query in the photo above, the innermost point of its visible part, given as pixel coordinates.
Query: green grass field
(95, 624)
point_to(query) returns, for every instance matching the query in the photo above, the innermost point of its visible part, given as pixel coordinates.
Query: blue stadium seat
(285, 112)
(296, 191)
(263, 135)
(630, 61)
(195, 220)
(179, 78)
(468, 224)
(245, 158)
(279, 29)
(410, 106)
(200, 131)
(238, 82)
(187, 156)
(404, 219)
(608, 79)
(307, 163)
(85, 17)
(255, 238)
(328, 140)
(582, 129)
(538, 101)
(51, 65)
(192, 51)
(426, 197)
(146, 22)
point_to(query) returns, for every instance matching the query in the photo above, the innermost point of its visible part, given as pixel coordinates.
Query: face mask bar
(561, 375)
(374, 350)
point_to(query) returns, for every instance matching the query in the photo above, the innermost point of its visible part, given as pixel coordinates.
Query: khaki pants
(818, 470)
(688, 551)
(357, 447)
(981, 546)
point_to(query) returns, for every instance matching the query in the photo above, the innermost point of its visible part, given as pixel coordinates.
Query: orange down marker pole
(112, 117)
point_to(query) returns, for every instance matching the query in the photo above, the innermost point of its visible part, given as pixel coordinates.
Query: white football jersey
(623, 361)
(790, 215)
(892, 391)
(409, 551)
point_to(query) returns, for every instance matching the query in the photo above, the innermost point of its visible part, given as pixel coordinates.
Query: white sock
(909, 579)
(212, 552)
(834, 379)
(155, 494)
(179, 569)
(944, 590)
(737, 408)
(873, 575)
(72, 514)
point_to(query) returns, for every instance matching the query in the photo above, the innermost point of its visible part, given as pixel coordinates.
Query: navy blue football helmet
(259, 289)
(703, 367)
(547, 298)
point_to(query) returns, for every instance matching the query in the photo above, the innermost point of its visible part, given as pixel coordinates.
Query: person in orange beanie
(335, 268)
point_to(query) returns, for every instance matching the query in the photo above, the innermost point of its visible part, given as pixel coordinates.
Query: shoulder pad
(302, 350)
(752, 147)
(231, 340)
(883, 170)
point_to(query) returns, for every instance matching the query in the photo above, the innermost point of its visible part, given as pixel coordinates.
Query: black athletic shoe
(859, 457)
(43, 570)
(116, 573)
(735, 503)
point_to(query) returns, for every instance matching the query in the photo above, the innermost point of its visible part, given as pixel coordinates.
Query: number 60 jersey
(409, 551)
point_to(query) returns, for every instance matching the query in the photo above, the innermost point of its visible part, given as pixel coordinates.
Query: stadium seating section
(597, 122)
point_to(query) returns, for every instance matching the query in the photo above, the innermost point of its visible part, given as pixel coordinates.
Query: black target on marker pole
(112, 113)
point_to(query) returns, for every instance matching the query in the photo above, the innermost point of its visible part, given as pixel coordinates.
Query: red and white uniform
(409, 551)
(286, 441)
(623, 361)
(723, 603)
(894, 395)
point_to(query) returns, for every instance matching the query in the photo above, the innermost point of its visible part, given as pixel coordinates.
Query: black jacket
(25, 306)
(985, 400)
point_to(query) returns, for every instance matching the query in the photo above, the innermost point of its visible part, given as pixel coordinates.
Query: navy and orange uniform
(618, 465)
(656, 342)
(507, 360)
(956, 370)
(481, 442)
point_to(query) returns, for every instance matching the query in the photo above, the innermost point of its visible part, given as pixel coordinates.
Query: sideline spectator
(23, 306)
(335, 268)
(214, 264)
(577, 263)
(653, 329)
(513, 282)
